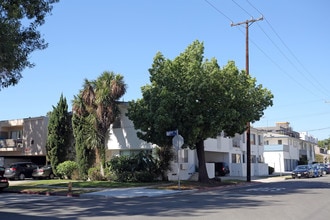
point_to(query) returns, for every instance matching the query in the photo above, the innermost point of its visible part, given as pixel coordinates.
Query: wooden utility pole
(248, 141)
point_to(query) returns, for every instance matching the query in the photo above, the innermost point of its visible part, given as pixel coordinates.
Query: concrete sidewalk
(262, 179)
(132, 192)
(150, 192)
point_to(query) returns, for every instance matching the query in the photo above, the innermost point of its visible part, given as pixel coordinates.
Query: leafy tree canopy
(324, 143)
(19, 37)
(198, 98)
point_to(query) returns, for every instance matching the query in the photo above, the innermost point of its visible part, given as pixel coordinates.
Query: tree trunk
(98, 160)
(203, 176)
(102, 153)
(97, 157)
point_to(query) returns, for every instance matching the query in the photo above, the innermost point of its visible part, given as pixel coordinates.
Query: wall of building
(220, 149)
(273, 159)
(123, 136)
(35, 136)
(186, 166)
(25, 140)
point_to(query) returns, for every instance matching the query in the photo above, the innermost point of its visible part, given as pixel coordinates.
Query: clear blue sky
(289, 52)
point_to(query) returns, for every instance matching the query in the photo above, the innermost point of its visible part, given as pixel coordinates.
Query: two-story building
(278, 147)
(285, 148)
(124, 141)
(23, 140)
(233, 152)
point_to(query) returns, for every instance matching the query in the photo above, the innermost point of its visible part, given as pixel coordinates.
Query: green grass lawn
(61, 187)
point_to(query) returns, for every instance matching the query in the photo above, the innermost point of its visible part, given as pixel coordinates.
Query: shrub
(144, 176)
(165, 155)
(94, 173)
(66, 169)
(138, 168)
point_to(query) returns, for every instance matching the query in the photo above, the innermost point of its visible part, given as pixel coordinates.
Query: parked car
(45, 172)
(3, 183)
(3, 180)
(303, 171)
(324, 168)
(317, 170)
(327, 168)
(20, 170)
(2, 171)
(221, 169)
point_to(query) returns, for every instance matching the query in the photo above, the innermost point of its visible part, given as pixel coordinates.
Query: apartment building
(124, 141)
(285, 148)
(232, 150)
(23, 140)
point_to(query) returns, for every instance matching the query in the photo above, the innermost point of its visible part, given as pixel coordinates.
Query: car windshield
(301, 167)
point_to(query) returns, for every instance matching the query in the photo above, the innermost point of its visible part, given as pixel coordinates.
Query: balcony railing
(11, 145)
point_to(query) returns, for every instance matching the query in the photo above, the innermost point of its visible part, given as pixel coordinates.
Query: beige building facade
(23, 140)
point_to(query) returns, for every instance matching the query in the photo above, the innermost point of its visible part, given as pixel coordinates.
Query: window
(133, 152)
(116, 123)
(184, 156)
(236, 143)
(253, 139)
(259, 140)
(253, 159)
(236, 158)
(15, 134)
(279, 141)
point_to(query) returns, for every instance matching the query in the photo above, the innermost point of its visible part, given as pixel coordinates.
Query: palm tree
(99, 99)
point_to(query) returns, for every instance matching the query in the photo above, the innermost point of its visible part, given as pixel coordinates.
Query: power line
(281, 69)
(313, 82)
(309, 115)
(288, 59)
(242, 8)
(319, 85)
(300, 103)
(319, 129)
(231, 21)
(277, 47)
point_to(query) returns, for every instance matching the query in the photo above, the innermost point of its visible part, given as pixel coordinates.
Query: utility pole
(248, 141)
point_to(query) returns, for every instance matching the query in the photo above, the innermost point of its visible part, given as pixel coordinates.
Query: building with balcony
(23, 140)
(232, 150)
(285, 148)
(123, 140)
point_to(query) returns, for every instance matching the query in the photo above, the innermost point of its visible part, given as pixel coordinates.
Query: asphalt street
(287, 199)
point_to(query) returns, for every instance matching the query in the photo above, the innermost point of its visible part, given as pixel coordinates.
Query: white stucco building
(284, 148)
(124, 141)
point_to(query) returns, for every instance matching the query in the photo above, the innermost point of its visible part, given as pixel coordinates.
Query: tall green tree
(324, 144)
(19, 37)
(198, 98)
(59, 139)
(83, 132)
(97, 104)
